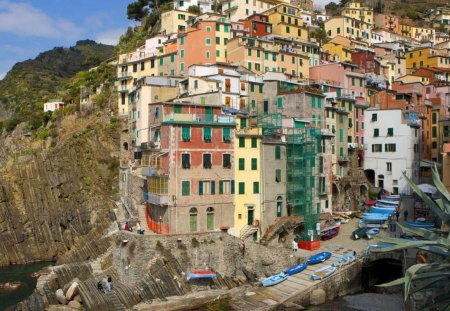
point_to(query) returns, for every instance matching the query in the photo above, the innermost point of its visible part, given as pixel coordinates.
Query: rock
(60, 296)
(77, 298)
(74, 304)
(9, 285)
(317, 297)
(72, 291)
(290, 306)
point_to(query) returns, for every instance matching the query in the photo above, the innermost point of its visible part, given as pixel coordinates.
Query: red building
(258, 25)
(366, 61)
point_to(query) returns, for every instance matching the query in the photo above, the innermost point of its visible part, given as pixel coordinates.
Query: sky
(29, 27)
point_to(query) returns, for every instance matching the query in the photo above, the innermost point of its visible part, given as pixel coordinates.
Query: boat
(344, 259)
(421, 224)
(382, 210)
(385, 205)
(370, 202)
(388, 203)
(330, 232)
(319, 258)
(395, 198)
(323, 272)
(371, 217)
(359, 233)
(201, 274)
(368, 225)
(274, 279)
(373, 231)
(296, 269)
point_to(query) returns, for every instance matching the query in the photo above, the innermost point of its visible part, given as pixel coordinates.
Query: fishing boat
(382, 210)
(330, 232)
(374, 217)
(370, 202)
(344, 260)
(323, 272)
(385, 205)
(388, 203)
(359, 233)
(319, 258)
(373, 231)
(421, 224)
(201, 274)
(392, 197)
(296, 269)
(368, 225)
(274, 279)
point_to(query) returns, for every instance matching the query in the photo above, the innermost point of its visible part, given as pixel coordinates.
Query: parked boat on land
(382, 210)
(274, 279)
(388, 203)
(374, 217)
(421, 224)
(319, 258)
(373, 231)
(359, 233)
(201, 274)
(330, 232)
(296, 269)
(392, 197)
(370, 202)
(323, 272)
(376, 224)
(344, 259)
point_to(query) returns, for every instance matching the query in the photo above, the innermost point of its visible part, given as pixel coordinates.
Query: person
(405, 214)
(104, 284)
(294, 246)
(100, 286)
(139, 229)
(109, 282)
(126, 227)
(397, 214)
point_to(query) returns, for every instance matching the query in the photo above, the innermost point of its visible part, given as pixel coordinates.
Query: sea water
(22, 274)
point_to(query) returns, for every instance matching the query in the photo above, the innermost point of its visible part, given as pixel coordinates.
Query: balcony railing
(123, 88)
(124, 75)
(199, 118)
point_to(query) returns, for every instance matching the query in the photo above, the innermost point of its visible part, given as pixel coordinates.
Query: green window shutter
(172, 58)
(313, 101)
(376, 132)
(217, 40)
(341, 135)
(241, 164)
(249, 66)
(338, 92)
(185, 188)
(217, 27)
(243, 123)
(319, 102)
(266, 56)
(249, 52)
(177, 109)
(220, 186)
(213, 187)
(278, 175)
(181, 40)
(434, 118)
(255, 187)
(277, 152)
(232, 187)
(434, 131)
(200, 187)
(207, 136)
(161, 61)
(341, 152)
(226, 134)
(186, 133)
(254, 142)
(280, 102)
(254, 164)
(360, 82)
(261, 88)
(242, 188)
(241, 142)
(390, 131)
(252, 87)
(217, 53)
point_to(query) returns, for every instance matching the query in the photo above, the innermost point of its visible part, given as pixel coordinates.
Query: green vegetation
(432, 278)
(221, 304)
(195, 242)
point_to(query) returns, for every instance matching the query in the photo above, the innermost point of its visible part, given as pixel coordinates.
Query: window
(182, 66)
(313, 102)
(185, 160)
(207, 162)
(377, 147)
(278, 175)
(210, 219)
(208, 29)
(185, 188)
(341, 135)
(434, 131)
(376, 132)
(434, 117)
(254, 164)
(390, 132)
(226, 187)
(374, 117)
(241, 164)
(416, 148)
(226, 134)
(172, 58)
(277, 152)
(242, 188)
(217, 27)
(241, 142)
(255, 187)
(226, 160)
(142, 66)
(389, 147)
(134, 67)
(207, 134)
(206, 187)
(254, 142)
(249, 52)
(208, 41)
(389, 166)
(186, 133)
(207, 54)
(280, 102)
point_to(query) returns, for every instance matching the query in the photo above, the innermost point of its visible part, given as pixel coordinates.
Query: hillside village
(239, 117)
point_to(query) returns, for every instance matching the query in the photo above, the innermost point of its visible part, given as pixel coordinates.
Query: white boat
(388, 203)
(323, 272)
(344, 260)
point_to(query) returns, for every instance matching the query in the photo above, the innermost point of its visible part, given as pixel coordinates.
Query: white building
(53, 106)
(204, 5)
(392, 140)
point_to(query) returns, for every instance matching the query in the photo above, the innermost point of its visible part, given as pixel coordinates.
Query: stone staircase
(96, 264)
(247, 231)
(143, 219)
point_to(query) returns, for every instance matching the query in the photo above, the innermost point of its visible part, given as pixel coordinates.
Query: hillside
(38, 79)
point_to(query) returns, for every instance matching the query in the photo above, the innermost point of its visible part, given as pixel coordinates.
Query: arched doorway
(381, 181)
(370, 175)
(125, 146)
(210, 219)
(193, 219)
(280, 206)
(250, 215)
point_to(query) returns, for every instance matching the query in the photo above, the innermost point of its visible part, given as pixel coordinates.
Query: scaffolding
(270, 123)
(302, 167)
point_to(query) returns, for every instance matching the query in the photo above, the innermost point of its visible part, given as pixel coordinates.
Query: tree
(332, 8)
(430, 277)
(194, 9)
(138, 10)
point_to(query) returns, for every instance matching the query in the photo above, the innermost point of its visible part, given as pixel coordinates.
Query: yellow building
(338, 52)
(174, 21)
(427, 57)
(418, 33)
(356, 11)
(286, 21)
(240, 9)
(248, 179)
(348, 27)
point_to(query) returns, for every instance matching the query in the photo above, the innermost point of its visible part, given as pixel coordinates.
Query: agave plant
(427, 277)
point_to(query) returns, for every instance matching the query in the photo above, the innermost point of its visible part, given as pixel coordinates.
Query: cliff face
(54, 199)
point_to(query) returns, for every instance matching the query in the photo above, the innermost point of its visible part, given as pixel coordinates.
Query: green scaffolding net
(302, 167)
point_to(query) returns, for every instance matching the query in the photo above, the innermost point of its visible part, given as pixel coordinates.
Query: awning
(426, 163)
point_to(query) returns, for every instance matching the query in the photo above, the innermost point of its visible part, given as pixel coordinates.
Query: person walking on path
(294, 246)
(109, 283)
(397, 214)
(405, 214)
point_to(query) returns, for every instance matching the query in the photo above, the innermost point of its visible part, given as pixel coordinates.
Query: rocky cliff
(56, 194)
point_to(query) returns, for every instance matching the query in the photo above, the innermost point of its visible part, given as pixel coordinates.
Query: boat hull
(319, 258)
(323, 272)
(274, 279)
(419, 224)
(344, 260)
(296, 269)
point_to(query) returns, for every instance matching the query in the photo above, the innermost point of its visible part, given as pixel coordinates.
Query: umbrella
(427, 188)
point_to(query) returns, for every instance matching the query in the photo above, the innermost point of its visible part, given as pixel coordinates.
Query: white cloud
(110, 36)
(22, 19)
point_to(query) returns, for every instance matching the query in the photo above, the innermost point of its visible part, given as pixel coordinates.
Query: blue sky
(28, 27)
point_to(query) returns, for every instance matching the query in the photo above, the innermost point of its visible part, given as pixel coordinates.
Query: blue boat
(394, 198)
(323, 272)
(385, 205)
(382, 210)
(388, 203)
(274, 279)
(421, 224)
(201, 274)
(319, 258)
(375, 216)
(373, 231)
(296, 269)
(344, 260)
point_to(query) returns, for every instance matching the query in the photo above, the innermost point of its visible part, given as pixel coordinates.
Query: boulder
(60, 296)
(317, 297)
(74, 304)
(77, 298)
(72, 291)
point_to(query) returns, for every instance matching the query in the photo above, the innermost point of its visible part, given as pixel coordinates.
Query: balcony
(157, 199)
(195, 118)
(123, 75)
(123, 88)
(342, 159)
